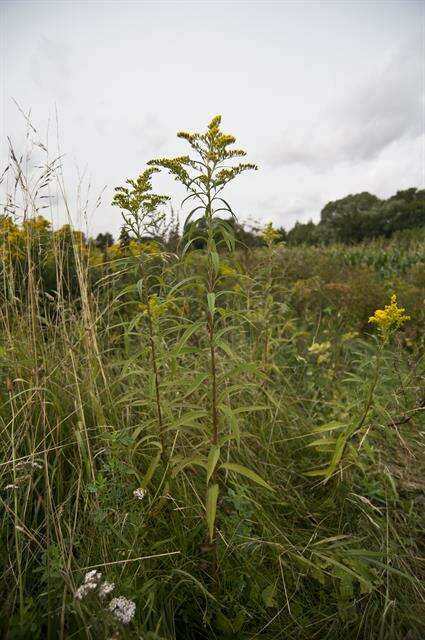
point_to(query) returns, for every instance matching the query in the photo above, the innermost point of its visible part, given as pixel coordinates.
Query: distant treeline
(360, 217)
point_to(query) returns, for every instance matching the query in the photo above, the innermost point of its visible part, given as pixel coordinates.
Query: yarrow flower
(11, 487)
(92, 576)
(139, 493)
(105, 589)
(84, 590)
(390, 318)
(29, 463)
(122, 609)
(91, 582)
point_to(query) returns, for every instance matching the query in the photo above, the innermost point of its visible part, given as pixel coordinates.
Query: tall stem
(211, 280)
(156, 378)
(372, 386)
(213, 381)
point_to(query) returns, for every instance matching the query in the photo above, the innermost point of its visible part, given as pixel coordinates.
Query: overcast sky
(326, 97)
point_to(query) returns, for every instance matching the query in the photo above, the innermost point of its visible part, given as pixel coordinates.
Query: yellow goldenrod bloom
(321, 350)
(392, 317)
(270, 235)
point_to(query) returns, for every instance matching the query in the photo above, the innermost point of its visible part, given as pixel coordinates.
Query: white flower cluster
(31, 464)
(122, 609)
(91, 583)
(22, 466)
(105, 589)
(139, 493)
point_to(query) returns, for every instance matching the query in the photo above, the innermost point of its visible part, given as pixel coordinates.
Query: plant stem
(157, 391)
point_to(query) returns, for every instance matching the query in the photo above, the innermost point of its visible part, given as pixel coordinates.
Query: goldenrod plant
(334, 437)
(205, 174)
(144, 219)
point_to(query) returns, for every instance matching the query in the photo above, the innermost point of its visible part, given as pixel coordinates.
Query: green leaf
(195, 384)
(211, 302)
(317, 472)
(269, 596)
(250, 408)
(189, 419)
(215, 260)
(345, 569)
(213, 457)
(329, 426)
(225, 347)
(151, 470)
(140, 288)
(324, 445)
(232, 419)
(191, 460)
(339, 450)
(211, 508)
(244, 471)
(185, 337)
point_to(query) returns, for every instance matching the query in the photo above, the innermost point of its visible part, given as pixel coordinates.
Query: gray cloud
(378, 113)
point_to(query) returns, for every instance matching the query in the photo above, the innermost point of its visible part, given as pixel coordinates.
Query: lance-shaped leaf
(244, 471)
(211, 508)
(213, 457)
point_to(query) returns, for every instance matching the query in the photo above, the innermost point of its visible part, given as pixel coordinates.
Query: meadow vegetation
(201, 439)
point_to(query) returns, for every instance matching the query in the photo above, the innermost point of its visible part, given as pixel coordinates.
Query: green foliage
(363, 216)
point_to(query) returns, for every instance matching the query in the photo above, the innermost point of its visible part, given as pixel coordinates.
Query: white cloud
(385, 109)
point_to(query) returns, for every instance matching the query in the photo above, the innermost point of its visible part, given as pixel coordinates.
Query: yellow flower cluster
(321, 350)
(227, 270)
(392, 317)
(155, 306)
(151, 248)
(270, 235)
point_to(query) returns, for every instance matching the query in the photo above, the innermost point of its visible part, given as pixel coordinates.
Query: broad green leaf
(211, 302)
(339, 450)
(315, 569)
(185, 337)
(231, 418)
(211, 508)
(223, 623)
(345, 569)
(321, 442)
(215, 260)
(244, 471)
(213, 457)
(179, 464)
(269, 596)
(250, 408)
(151, 470)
